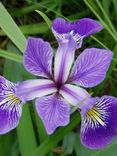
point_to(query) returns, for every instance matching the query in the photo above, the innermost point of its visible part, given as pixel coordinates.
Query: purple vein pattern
(60, 86)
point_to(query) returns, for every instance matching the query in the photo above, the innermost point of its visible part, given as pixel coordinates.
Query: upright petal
(63, 60)
(78, 30)
(86, 27)
(53, 111)
(91, 67)
(30, 89)
(99, 124)
(38, 57)
(73, 94)
(10, 106)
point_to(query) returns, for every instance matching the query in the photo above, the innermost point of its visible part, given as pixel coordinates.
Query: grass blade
(47, 20)
(88, 3)
(11, 56)
(31, 29)
(11, 29)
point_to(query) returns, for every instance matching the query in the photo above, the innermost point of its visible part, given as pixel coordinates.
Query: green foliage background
(18, 20)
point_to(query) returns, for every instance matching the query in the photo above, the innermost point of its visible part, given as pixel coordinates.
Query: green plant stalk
(106, 17)
(11, 29)
(47, 20)
(103, 45)
(11, 56)
(50, 142)
(101, 20)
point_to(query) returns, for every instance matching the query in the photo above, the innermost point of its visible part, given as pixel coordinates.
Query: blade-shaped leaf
(47, 20)
(11, 29)
(11, 56)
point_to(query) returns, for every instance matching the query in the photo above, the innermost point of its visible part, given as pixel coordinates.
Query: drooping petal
(99, 124)
(91, 67)
(78, 30)
(73, 94)
(53, 111)
(30, 89)
(63, 60)
(38, 57)
(10, 106)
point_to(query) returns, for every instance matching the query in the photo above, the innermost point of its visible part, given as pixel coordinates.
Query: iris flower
(62, 86)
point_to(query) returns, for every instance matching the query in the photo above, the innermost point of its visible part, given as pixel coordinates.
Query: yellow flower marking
(95, 116)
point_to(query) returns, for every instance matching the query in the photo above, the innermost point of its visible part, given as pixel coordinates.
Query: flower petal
(53, 111)
(10, 106)
(87, 26)
(63, 60)
(73, 94)
(78, 30)
(30, 89)
(90, 67)
(38, 57)
(99, 126)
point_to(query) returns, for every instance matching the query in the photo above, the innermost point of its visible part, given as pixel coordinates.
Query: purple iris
(10, 106)
(61, 87)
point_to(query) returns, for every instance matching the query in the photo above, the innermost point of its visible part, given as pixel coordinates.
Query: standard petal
(78, 30)
(63, 60)
(87, 26)
(53, 111)
(38, 57)
(73, 94)
(10, 106)
(91, 67)
(30, 89)
(99, 124)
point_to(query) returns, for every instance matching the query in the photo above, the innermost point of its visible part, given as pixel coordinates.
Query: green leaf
(26, 137)
(11, 29)
(40, 127)
(115, 5)
(31, 29)
(106, 5)
(69, 142)
(51, 141)
(47, 20)
(11, 56)
(6, 143)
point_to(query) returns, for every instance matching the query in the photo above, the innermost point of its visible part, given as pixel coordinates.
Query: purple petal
(73, 94)
(99, 126)
(30, 89)
(38, 57)
(91, 67)
(78, 30)
(53, 111)
(10, 106)
(63, 60)
(87, 26)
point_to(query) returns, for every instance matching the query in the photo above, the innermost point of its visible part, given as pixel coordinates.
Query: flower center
(58, 85)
